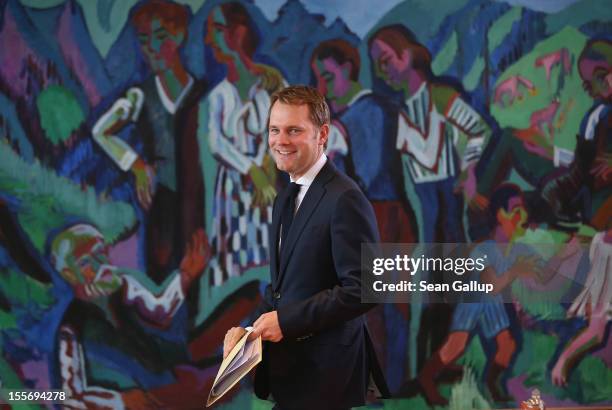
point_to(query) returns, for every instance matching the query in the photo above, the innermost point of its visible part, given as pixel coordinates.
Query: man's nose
(281, 138)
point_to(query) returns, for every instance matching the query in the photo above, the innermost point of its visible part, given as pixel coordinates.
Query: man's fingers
(231, 338)
(254, 334)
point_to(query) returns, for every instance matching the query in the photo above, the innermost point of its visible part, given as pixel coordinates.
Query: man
(167, 124)
(317, 351)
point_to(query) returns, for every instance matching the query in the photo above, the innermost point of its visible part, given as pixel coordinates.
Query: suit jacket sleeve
(264, 306)
(352, 223)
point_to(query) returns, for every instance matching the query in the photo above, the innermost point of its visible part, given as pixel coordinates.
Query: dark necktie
(288, 210)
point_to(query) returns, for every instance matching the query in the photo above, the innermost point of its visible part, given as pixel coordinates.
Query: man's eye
(273, 131)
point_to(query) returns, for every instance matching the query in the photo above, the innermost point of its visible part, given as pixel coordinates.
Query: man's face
(597, 78)
(514, 220)
(333, 79)
(159, 46)
(388, 66)
(295, 142)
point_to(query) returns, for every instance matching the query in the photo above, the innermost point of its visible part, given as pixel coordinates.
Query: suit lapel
(307, 207)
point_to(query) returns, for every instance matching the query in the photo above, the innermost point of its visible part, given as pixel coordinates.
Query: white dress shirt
(305, 181)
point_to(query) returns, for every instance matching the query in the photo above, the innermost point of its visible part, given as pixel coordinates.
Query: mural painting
(136, 187)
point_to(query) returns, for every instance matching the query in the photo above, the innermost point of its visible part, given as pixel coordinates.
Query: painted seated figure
(118, 315)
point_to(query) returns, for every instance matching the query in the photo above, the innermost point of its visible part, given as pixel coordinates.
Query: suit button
(276, 295)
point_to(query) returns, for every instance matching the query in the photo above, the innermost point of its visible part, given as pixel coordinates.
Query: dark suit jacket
(326, 356)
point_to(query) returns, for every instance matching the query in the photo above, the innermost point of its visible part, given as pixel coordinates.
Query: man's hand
(267, 327)
(231, 338)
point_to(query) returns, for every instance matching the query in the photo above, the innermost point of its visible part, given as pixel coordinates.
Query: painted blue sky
(360, 15)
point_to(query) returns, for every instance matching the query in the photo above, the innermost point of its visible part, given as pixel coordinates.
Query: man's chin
(279, 164)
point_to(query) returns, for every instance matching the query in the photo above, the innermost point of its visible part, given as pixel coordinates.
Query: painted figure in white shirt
(439, 134)
(235, 123)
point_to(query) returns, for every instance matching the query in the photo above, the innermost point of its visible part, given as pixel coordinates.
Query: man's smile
(285, 153)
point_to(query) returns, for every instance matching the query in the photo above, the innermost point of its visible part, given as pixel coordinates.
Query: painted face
(514, 220)
(159, 46)
(388, 66)
(79, 252)
(333, 79)
(295, 142)
(219, 37)
(93, 258)
(597, 78)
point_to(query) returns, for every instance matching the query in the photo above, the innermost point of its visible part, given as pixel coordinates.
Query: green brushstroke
(474, 357)
(41, 4)
(466, 393)
(47, 200)
(472, 78)
(503, 26)
(60, 113)
(212, 296)
(10, 380)
(445, 57)
(579, 13)
(24, 291)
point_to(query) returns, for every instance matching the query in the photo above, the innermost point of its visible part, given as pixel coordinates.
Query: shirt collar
(313, 171)
(169, 105)
(422, 92)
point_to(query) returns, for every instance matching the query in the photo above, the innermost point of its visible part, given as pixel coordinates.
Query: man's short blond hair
(304, 95)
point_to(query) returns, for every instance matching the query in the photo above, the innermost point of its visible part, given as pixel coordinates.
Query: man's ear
(323, 134)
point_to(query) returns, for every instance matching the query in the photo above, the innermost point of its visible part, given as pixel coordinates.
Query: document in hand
(240, 361)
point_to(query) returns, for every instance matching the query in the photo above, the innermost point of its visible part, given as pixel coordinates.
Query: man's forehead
(282, 113)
